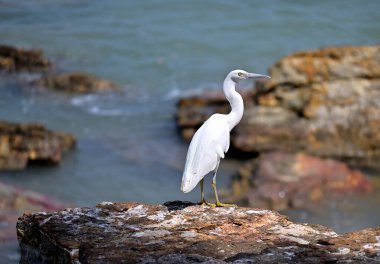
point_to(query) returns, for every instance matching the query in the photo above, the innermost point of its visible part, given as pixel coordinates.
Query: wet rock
(324, 102)
(21, 144)
(14, 202)
(141, 233)
(14, 59)
(76, 82)
(282, 180)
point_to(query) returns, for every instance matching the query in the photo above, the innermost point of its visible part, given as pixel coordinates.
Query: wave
(99, 104)
(105, 112)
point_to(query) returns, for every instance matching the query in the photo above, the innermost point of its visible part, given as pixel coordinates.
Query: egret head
(238, 75)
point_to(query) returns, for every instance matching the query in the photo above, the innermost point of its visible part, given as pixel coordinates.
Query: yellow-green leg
(203, 201)
(218, 203)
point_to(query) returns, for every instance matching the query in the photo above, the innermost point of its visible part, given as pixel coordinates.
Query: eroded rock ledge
(181, 232)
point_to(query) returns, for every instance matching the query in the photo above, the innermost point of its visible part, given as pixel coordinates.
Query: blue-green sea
(128, 147)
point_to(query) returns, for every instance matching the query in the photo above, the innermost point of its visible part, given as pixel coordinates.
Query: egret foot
(204, 203)
(219, 204)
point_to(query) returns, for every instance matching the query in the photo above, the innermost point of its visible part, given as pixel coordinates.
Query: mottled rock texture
(21, 144)
(324, 102)
(14, 202)
(76, 82)
(14, 59)
(282, 180)
(178, 232)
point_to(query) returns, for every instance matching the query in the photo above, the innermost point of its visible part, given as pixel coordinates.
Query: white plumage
(207, 147)
(212, 140)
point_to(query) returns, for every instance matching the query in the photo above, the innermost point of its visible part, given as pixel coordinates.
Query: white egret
(212, 139)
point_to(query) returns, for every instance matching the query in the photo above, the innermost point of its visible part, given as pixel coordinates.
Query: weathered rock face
(324, 102)
(282, 180)
(14, 202)
(15, 59)
(327, 64)
(76, 82)
(178, 232)
(21, 144)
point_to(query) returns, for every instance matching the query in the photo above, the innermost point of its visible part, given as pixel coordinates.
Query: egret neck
(235, 100)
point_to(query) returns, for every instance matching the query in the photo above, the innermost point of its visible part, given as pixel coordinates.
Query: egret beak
(255, 75)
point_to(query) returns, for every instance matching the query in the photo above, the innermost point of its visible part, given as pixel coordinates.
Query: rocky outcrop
(179, 232)
(76, 82)
(21, 144)
(324, 102)
(325, 65)
(282, 180)
(16, 59)
(13, 59)
(14, 202)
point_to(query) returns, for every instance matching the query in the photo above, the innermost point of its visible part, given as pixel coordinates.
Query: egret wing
(208, 145)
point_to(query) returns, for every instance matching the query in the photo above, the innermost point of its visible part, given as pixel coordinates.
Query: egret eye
(240, 74)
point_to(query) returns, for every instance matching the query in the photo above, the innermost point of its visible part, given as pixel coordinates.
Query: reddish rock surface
(14, 202)
(178, 232)
(282, 180)
(21, 144)
(16, 59)
(76, 82)
(324, 102)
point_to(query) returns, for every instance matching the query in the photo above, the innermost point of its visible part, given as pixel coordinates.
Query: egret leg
(203, 201)
(218, 203)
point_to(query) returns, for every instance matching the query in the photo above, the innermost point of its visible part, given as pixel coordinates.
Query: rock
(141, 233)
(324, 102)
(76, 82)
(325, 65)
(282, 180)
(339, 119)
(16, 59)
(21, 144)
(14, 202)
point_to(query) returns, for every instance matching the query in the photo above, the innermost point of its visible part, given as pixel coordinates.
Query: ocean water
(128, 148)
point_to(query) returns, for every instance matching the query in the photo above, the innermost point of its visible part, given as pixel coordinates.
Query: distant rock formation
(21, 144)
(282, 180)
(324, 102)
(13, 59)
(179, 232)
(16, 59)
(76, 82)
